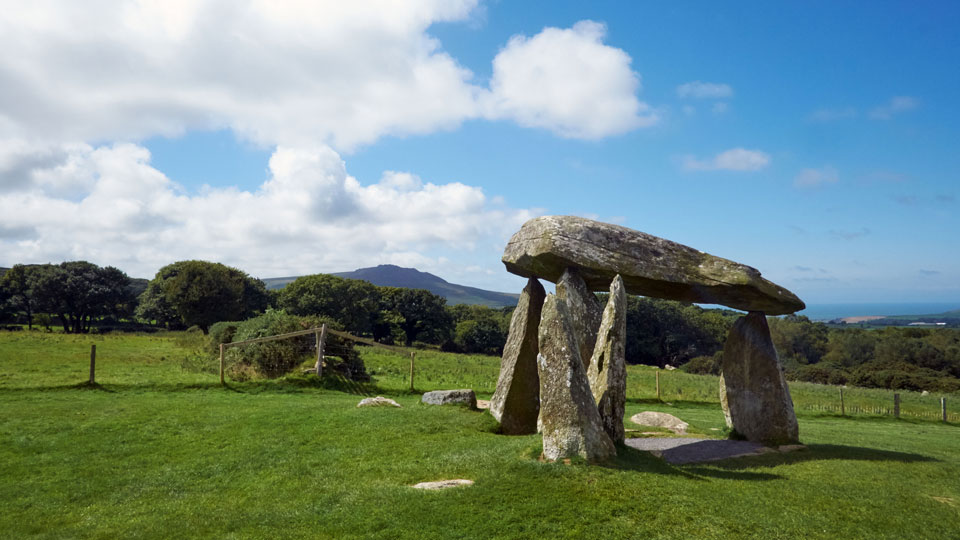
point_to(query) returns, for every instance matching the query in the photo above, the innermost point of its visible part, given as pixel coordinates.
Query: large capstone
(607, 371)
(570, 421)
(546, 246)
(584, 309)
(516, 402)
(754, 395)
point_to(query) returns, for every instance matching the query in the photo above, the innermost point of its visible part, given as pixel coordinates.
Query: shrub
(704, 365)
(272, 358)
(275, 358)
(221, 332)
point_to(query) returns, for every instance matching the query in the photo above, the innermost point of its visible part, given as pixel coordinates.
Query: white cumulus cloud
(292, 73)
(309, 216)
(568, 81)
(735, 159)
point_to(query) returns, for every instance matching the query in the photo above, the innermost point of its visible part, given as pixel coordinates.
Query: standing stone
(516, 402)
(584, 309)
(607, 371)
(570, 420)
(754, 395)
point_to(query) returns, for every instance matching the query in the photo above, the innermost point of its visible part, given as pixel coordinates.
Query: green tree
(798, 338)
(78, 292)
(19, 288)
(661, 332)
(153, 306)
(351, 302)
(850, 347)
(201, 293)
(424, 315)
(479, 329)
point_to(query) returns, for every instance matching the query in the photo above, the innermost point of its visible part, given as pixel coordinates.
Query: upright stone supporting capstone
(754, 395)
(570, 421)
(584, 309)
(607, 371)
(516, 402)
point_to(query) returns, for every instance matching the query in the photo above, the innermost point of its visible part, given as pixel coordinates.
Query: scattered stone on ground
(546, 246)
(483, 403)
(668, 367)
(516, 402)
(784, 448)
(378, 401)
(660, 419)
(607, 370)
(444, 484)
(570, 420)
(451, 397)
(753, 393)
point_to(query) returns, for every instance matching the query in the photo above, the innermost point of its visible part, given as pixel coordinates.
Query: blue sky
(815, 141)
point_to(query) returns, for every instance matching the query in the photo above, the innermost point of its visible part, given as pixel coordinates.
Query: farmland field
(159, 450)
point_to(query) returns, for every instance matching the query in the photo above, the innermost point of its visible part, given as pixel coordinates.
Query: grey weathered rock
(660, 419)
(607, 371)
(443, 484)
(584, 309)
(378, 401)
(516, 402)
(754, 395)
(570, 421)
(451, 397)
(545, 247)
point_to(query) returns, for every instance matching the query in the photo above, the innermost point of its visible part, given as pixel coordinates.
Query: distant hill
(388, 275)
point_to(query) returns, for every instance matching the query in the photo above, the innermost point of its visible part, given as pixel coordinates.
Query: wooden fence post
(321, 339)
(658, 384)
(896, 405)
(842, 411)
(413, 356)
(943, 408)
(93, 361)
(221, 365)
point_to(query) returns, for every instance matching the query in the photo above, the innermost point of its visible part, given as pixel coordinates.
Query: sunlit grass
(160, 451)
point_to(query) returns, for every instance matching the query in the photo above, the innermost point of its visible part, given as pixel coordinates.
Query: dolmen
(563, 370)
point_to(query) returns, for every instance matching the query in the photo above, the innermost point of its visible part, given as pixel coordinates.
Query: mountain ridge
(390, 275)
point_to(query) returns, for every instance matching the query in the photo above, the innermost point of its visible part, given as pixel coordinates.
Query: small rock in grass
(449, 397)
(444, 484)
(378, 401)
(791, 448)
(483, 403)
(659, 419)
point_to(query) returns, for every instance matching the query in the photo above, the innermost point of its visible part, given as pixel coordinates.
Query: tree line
(199, 294)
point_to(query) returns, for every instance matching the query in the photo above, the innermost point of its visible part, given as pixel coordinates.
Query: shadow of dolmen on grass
(736, 468)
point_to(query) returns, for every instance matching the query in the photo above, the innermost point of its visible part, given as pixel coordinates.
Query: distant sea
(821, 312)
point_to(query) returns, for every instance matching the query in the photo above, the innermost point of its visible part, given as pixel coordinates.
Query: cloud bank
(107, 204)
(293, 73)
(82, 82)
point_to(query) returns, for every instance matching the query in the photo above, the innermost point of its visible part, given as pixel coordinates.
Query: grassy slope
(161, 452)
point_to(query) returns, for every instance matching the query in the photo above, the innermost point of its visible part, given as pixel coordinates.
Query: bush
(275, 358)
(704, 365)
(221, 332)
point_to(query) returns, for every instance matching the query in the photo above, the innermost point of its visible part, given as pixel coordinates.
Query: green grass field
(159, 450)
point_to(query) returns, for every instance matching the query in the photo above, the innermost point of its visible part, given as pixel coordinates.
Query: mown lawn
(159, 451)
